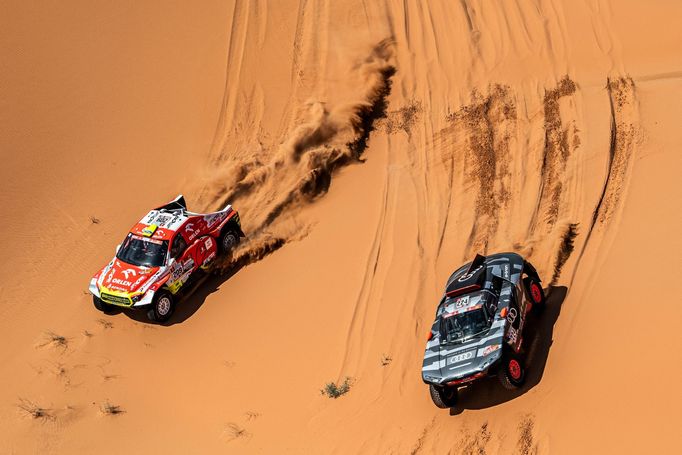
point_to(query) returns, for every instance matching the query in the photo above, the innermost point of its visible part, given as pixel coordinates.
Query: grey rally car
(481, 324)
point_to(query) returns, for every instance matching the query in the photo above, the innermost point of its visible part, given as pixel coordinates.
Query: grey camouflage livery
(498, 285)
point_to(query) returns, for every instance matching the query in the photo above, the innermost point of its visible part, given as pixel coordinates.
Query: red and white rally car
(161, 254)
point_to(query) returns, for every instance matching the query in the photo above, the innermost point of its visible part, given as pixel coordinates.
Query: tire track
(489, 123)
(560, 141)
(625, 132)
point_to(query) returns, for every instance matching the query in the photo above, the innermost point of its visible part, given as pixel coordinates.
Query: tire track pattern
(489, 123)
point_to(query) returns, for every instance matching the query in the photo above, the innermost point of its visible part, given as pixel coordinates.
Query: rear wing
(176, 204)
(471, 280)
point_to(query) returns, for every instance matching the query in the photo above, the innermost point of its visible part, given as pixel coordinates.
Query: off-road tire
(443, 397)
(162, 308)
(512, 372)
(535, 294)
(228, 241)
(103, 306)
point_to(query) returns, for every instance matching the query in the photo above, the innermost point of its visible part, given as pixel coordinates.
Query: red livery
(161, 254)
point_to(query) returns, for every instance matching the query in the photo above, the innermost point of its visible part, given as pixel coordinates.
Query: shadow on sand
(190, 302)
(488, 392)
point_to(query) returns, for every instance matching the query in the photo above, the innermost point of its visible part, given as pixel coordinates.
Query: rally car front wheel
(103, 306)
(443, 397)
(512, 373)
(163, 306)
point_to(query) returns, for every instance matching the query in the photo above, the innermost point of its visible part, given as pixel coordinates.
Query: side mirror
(118, 247)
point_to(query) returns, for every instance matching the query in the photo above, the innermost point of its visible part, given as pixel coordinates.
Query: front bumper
(487, 367)
(121, 299)
(451, 381)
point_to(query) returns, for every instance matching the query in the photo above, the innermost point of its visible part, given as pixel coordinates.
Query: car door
(514, 320)
(206, 250)
(183, 262)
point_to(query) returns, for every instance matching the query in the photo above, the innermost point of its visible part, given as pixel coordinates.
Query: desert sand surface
(371, 148)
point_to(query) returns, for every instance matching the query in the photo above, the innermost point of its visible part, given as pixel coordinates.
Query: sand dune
(371, 148)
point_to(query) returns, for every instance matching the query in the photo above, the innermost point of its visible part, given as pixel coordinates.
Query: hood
(445, 362)
(462, 360)
(123, 277)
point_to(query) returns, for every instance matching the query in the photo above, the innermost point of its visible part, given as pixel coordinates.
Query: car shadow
(190, 302)
(489, 392)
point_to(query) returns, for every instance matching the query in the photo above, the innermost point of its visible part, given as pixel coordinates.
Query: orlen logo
(129, 272)
(193, 233)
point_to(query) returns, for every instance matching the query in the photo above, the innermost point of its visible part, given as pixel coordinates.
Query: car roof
(161, 224)
(462, 303)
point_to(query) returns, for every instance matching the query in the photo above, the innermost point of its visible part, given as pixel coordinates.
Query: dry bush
(106, 324)
(55, 340)
(33, 410)
(108, 408)
(234, 431)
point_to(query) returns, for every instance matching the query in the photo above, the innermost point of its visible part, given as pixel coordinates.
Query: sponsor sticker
(490, 349)
(512, 335)
(145, 239)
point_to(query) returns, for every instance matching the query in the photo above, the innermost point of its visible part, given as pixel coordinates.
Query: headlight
(93, 288)
(431, 378)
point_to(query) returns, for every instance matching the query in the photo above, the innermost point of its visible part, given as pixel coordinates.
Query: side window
(178, 246)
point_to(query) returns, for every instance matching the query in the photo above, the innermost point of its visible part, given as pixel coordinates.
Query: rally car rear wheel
(443, 397)
(228, 241)
(162, 307)
(535, 294)
(512, 373)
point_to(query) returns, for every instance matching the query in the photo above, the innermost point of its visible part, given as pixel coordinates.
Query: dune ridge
(374, 167)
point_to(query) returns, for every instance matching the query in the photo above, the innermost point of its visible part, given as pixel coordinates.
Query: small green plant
(334, 390)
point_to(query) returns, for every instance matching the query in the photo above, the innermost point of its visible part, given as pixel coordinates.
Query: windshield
(142, 251)
(462, 326)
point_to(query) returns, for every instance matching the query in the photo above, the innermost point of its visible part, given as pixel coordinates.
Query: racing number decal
(462, 302)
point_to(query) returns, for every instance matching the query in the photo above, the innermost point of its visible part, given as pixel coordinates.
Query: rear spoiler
(469, 281)
(176, 204)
